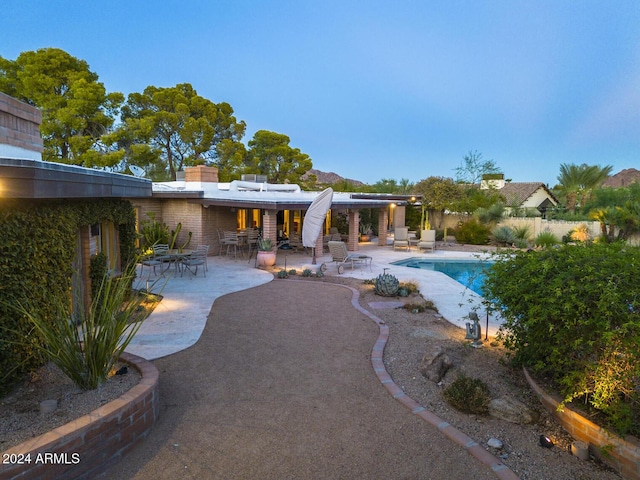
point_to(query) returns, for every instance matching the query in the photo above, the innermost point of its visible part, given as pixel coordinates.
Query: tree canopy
(473, 167)
(270, 154)
(577, 182)
(77, 112)
(175, 127)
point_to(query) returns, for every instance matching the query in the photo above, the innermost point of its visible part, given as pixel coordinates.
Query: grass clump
(468, 395)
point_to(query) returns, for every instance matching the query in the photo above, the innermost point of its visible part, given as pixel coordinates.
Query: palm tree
(579, 181)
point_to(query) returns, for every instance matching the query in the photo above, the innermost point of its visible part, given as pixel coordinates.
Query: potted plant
(266, 253)
(365, 232)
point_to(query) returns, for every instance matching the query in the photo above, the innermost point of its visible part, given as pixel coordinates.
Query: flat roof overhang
(283, 204)
(36, 179)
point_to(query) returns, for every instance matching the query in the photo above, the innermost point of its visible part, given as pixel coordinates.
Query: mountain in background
(329, 178)
(623, 179)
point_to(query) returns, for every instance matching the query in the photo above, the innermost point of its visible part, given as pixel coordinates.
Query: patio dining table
(175, 256)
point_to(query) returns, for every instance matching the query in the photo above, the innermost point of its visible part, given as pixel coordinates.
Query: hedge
(37, 248)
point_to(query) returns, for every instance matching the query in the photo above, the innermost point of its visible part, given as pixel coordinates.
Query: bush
(469, 395)
(546, 240)
(572, 313)
(473, 232)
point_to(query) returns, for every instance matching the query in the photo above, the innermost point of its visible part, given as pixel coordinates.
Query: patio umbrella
(314, 219)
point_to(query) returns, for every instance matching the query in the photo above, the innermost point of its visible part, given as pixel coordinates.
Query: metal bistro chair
(193, 261)
(159, 257)
(231, 240)
(205, 250)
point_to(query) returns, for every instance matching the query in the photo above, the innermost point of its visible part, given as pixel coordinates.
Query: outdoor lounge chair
(427, 240)
(401, 238)
(340, 255)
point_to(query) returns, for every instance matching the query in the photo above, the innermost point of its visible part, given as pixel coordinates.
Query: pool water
(469, 273)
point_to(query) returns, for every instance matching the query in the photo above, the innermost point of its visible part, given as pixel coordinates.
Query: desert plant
(403, 292)
(153, 232)
(306, 272)
(282, 274)
(469, 395)
(265, 245)
(546, 239)
(503, 235)
(319, 273)
(386, 285)
(411, 287)
(85, 345)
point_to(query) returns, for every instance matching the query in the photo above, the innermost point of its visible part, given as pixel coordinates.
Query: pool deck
(179, 320)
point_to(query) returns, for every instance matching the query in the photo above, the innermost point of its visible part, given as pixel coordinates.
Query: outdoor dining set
(163, 258)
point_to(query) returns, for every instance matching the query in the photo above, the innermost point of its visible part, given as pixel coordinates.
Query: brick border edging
(88, 446)
(474, 448)
(624, 457)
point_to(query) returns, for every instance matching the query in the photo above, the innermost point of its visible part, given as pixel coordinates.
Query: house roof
(35, 179)
(275, 197)
(516, 193)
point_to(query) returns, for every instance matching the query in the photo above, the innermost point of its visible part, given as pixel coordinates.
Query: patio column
(399, 216)
(270, 226)
(383, 217)
(354, 229)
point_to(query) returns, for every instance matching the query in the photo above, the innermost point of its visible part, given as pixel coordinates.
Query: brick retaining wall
(88, 446)
(623, 454)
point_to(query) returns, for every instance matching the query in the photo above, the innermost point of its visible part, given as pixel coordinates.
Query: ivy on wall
(37, 248)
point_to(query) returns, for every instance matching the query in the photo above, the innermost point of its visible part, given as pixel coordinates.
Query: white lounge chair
(341, 256)
(427, 240)
(401, 238)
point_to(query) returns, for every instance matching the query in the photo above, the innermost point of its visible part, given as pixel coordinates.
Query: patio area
(179, 320)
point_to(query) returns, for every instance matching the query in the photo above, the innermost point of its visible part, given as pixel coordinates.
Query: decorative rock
(511, 410)
(580, 450)
(435, 364)
(495, 443)
(48, 406)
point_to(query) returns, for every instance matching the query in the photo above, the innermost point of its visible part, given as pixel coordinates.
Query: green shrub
(572, 313)
(469, 395)
(545, 240)
(473, 232)
(307, 272)
(282, 274)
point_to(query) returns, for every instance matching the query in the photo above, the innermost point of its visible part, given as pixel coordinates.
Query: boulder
(511, 410)
(435, 364)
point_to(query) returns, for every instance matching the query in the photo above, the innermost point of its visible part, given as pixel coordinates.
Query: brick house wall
(19, 129)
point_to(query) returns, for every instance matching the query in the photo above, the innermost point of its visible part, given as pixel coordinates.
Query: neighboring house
(529, 196)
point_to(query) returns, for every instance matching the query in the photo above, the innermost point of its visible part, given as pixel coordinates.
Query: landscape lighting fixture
(545, 441)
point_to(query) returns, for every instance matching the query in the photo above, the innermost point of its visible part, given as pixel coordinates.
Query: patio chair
(231, 240)
(427, 240)
(401, 238)
(204, 249)
(157, 259)
(341, 256)
(193, 261)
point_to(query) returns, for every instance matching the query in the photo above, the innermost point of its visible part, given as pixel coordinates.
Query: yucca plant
(86, 345)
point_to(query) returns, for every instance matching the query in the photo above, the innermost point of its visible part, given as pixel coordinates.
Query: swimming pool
(469, 273)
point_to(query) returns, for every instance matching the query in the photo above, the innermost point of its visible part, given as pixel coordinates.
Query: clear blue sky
(373, 89)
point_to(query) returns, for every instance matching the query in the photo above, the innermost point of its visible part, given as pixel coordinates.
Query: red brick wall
(96, 441)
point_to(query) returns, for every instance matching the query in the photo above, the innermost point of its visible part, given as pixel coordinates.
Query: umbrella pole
(313, 260)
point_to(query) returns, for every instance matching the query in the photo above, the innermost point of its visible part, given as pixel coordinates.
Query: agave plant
(387, 285)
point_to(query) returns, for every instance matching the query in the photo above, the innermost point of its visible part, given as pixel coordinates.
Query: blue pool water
(469, 273)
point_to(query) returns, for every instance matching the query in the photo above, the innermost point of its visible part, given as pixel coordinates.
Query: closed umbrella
(314, 219)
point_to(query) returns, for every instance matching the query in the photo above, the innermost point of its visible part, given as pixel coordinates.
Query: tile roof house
(532, 196)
